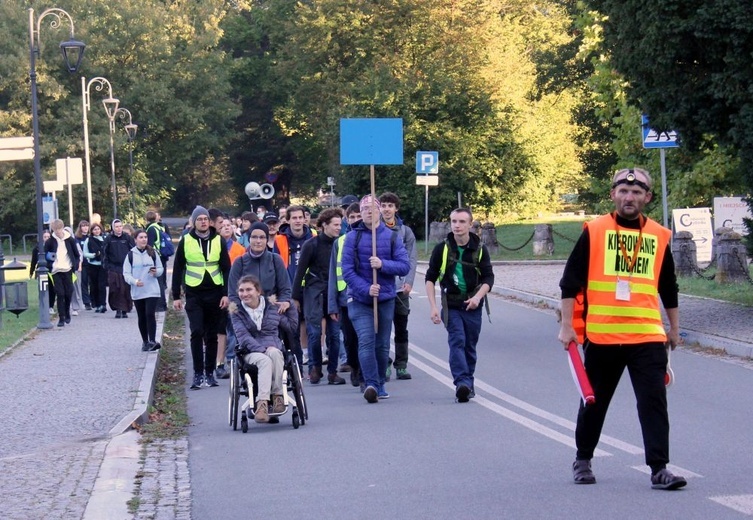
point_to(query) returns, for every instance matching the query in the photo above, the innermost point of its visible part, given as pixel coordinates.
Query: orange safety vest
(614, 321)
(281, 241)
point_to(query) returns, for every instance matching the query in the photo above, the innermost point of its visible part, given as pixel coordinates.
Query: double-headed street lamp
(130, 130)
(111, 107)
(73, 53)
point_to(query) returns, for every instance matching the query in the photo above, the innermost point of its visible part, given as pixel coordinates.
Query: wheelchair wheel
(234, 396)
(296, 420)
(300, 399)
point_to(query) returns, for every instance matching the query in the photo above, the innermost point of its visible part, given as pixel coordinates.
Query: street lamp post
(130, 130)
(73, 53)
(111, 106)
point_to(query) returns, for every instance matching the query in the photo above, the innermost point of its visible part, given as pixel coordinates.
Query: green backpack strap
(476, 264)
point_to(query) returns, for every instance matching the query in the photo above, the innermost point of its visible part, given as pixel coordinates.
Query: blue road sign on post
(427, 163)
(371, 141)
(654, 139)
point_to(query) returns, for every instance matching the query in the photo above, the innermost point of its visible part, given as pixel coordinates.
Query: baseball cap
(347, 200)
(271, 217)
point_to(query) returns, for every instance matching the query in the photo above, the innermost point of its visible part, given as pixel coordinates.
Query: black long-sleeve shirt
(575, 277)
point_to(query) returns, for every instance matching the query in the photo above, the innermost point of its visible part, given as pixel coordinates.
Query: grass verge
(168, 416)
(16, 327)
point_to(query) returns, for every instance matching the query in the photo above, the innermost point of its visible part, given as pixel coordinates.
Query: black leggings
(145, 309)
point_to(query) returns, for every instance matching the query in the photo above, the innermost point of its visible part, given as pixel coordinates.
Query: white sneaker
(52, 311)
(74, 313)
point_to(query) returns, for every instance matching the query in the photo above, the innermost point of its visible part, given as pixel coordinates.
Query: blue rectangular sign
(654, 139)
(367, 141)
(427, 163)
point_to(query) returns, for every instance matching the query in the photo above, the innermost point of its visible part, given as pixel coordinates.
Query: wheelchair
(243, 383)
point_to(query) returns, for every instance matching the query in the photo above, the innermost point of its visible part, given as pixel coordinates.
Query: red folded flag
(579, 374)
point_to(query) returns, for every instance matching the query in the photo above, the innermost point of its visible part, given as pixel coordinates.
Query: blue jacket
(357, 270)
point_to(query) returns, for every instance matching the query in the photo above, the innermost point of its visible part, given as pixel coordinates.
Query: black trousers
(400, 325)
(97, 285)
(350, 339)
(204, 315)
(63, 283)
(646, 364)
(146, 309)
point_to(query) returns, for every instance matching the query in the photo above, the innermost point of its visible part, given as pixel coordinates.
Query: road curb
(114, 485)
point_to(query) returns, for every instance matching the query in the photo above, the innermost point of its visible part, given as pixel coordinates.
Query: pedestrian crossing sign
(654, 139)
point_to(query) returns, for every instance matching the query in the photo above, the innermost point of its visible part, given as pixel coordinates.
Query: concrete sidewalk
(69, 395)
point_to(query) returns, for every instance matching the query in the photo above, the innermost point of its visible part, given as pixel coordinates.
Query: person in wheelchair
(257, 324)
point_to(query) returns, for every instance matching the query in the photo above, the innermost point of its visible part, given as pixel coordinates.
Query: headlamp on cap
(631, 180)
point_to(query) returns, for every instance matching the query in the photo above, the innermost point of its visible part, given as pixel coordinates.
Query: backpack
(476, 263)
(165, 243)
(150, 252)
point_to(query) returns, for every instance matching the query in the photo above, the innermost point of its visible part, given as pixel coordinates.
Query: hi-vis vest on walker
(611, 319)
(476, 263)
(341, 285)
(196, 265)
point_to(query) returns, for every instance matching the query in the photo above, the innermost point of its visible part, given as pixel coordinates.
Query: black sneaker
(402, 373)
(124, 315)
(146, 346)
(87, 307)
(582, 473)
(664, 479)
(209, 380)
(462, 394)
(198, 380)
(67, 320)
(221, 372)
(118, 314)
(370, 394)
(61, 323)
(155, 346)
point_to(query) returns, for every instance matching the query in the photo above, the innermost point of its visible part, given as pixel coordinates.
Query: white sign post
(16, 148)
(427, 168)
(70, 171)
(698, 222)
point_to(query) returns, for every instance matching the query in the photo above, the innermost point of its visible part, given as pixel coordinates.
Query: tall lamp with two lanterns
(73, 53)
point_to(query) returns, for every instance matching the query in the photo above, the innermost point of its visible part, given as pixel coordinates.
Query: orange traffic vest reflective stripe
(614, 321)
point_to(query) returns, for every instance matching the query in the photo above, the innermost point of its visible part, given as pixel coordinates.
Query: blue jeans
(314, 333)
(463, 329)
(373, 346)
(231, 341)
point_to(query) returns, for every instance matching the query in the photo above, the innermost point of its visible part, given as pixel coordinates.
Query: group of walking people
(350, 280)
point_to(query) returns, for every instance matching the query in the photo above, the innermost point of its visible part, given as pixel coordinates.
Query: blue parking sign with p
(427, 163)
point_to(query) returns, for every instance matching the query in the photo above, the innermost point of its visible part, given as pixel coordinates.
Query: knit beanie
(199, 211)
(369, 200)
(259, 225)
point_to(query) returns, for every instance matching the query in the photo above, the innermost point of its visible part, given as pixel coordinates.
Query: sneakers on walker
(261, 414)
(278, 404)
(582, 473)
(664, 479)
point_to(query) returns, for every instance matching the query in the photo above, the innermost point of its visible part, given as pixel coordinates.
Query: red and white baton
(579, 374)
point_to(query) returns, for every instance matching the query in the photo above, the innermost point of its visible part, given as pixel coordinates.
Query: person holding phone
(142, 268)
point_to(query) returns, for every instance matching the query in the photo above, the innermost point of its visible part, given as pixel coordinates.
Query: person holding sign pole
(620, 267)
(365, 291)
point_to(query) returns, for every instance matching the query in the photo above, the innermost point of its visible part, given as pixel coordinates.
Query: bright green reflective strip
(632, 312)
(611, 287)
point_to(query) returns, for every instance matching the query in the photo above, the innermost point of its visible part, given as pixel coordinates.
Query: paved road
(68, 394)
(507, 454)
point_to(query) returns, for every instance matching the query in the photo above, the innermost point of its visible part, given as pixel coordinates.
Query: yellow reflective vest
(197, 265)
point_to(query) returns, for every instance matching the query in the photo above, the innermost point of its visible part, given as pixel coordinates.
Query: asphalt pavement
(71, 395)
